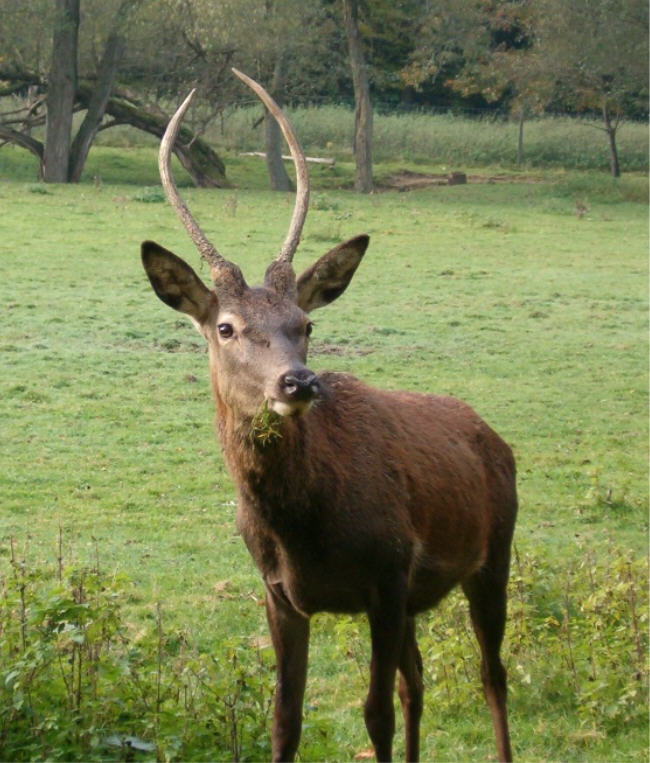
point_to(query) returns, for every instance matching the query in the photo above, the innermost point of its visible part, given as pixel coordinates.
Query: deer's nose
(299, 385)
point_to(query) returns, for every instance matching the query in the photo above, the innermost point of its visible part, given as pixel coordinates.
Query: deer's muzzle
(296, 391)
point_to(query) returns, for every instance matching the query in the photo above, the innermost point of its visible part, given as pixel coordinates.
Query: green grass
(498, 294)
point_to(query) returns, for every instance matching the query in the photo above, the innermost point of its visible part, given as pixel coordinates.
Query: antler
(218, 264)
(280, 272)
(302, 178)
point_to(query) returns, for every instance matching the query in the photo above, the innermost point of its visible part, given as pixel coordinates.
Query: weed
(450, 140)
(78, 679)
(323, 203)
(150, 195)
(230, 206)
(576, 640)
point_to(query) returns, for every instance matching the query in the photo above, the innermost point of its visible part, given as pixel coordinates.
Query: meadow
(131, 617)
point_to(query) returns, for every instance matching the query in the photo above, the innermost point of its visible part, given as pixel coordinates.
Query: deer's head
(257, 336)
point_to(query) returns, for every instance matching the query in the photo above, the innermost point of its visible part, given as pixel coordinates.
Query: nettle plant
(80, 681)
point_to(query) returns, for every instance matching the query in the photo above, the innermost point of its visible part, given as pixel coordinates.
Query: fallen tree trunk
(202, 163)
(289, 158)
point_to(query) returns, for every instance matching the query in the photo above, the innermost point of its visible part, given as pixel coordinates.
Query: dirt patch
(340, 350)
(405, 180)
(174, 345)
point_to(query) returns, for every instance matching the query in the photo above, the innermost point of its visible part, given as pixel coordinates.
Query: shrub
(79, 682)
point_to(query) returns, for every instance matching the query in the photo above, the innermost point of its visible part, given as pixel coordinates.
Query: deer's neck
(292, 465)
(264, 454)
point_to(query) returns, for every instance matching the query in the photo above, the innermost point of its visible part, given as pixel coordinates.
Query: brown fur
(351, 499)
(366, 484)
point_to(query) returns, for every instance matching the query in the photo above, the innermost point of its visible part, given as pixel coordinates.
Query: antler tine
(206, 249)
(302, 177)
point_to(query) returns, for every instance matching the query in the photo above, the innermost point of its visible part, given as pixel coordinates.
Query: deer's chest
(301, 561)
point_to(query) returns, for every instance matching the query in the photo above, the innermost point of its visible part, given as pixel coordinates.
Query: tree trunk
(363, 106)
(61, 91)
(611, 129)
(280, 181)
(520, 138)
(96, 105)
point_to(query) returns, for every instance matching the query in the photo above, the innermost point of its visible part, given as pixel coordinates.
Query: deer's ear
(330, 275)
(176, 283)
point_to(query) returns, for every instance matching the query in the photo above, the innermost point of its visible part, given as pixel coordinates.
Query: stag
(350, 498)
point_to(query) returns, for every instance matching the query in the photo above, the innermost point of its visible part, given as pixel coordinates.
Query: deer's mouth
(293, 408)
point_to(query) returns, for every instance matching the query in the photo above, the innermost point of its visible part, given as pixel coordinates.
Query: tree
(362, 103)
(389, 29)
(505, 67)
(274, 45)
(100, 26)
(63, 159)
(278, 176)
(449, 33)
(283, 43)
(97, 103)
(61, 91)
(597, 52)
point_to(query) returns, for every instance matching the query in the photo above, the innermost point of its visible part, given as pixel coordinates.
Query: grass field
(130, 606)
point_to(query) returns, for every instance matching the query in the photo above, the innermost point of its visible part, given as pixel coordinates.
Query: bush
(576, 645)
(79, 682)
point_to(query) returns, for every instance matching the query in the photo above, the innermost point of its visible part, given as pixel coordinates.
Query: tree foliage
(516, 56)
(577, 55)
(596, 52)
(449, 33)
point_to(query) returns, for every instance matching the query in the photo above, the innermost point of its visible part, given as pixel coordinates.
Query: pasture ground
(527, 300)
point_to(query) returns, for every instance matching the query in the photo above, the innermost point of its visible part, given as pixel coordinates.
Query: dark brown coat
(351, 499)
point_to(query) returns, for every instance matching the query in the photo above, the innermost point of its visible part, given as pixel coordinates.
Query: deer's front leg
(290, 636)
(387, 619)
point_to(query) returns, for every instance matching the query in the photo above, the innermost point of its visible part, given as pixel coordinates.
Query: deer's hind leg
(486, 592)
(387, 617)
(411, 690)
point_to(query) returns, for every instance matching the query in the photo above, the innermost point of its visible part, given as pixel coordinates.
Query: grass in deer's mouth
(266, 426)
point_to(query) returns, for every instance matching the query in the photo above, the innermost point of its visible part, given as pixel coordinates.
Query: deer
(350, 499)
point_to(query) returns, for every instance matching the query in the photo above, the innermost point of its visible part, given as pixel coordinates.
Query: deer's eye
(309, 328)
(225, 330)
